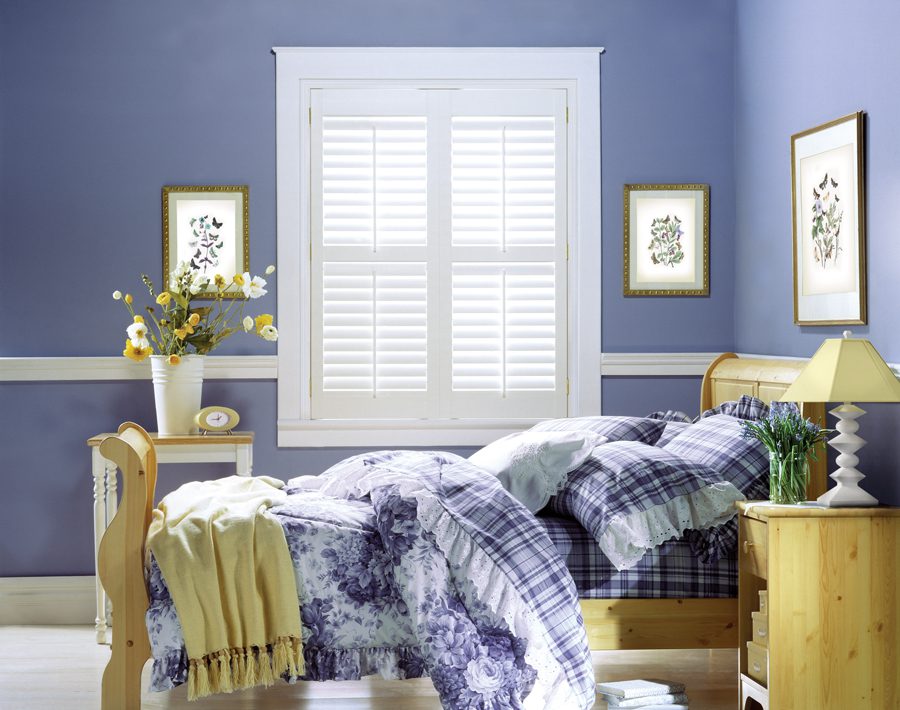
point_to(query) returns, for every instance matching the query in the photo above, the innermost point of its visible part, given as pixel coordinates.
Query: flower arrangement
(181, 328)
(791, 441)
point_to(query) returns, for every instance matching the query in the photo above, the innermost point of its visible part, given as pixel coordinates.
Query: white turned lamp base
(847, 493)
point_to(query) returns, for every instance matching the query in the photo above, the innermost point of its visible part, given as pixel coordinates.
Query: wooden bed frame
(611, 623)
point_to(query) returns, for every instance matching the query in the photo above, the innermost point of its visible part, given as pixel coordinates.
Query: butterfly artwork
(205, 237)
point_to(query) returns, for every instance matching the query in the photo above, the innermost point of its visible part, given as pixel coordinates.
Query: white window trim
(299, 69)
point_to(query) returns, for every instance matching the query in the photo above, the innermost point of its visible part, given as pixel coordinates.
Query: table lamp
(845, 369)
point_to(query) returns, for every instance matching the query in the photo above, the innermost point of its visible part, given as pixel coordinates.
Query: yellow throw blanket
(230, 574)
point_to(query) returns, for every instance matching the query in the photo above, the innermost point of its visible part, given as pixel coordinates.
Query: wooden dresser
(829, 636)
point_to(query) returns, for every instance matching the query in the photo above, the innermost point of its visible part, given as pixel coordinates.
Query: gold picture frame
(666, 254)
(829, 222)
(208, 226)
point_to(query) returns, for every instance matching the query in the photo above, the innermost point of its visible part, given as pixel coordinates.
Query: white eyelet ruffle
(627, 538)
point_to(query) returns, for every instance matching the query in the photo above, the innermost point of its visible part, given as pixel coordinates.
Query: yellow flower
(174, 359)
(194, 319)
(139, 319)
(262, 321)
(136, 353)
(220, 282)
(128, 298)
(163, 298)
(163, 321)
(239, 279)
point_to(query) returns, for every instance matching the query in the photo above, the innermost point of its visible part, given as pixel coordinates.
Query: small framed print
(666, 240)
(828, 190)
(209, 227)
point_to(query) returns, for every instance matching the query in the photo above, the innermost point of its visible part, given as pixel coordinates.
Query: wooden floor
(59, 668)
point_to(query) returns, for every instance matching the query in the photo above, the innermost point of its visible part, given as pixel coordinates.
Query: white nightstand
(236, 448)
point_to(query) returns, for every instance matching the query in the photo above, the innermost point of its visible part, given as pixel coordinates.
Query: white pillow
(533, 465)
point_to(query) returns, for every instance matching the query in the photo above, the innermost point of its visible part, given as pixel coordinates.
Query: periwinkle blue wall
(799, 64)
(103, 102)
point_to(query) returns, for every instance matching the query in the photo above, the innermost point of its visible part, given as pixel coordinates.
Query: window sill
(387, 433)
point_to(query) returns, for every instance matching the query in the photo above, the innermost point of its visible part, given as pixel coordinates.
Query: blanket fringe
(236, 669)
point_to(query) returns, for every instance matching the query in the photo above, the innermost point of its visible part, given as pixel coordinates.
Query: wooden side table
(236, 448)
(825, 634)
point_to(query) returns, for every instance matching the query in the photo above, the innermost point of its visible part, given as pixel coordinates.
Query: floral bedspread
(414, 564)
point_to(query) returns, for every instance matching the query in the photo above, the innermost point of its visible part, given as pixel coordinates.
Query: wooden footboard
(660, 623)
(121, 565)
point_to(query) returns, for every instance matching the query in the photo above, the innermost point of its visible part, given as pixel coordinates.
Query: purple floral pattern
(376, 596)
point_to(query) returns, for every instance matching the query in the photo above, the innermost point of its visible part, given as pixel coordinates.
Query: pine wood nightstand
(828, 636)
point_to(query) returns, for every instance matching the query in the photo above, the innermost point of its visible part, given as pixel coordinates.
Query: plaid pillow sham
(718, 442)
(614, 428)
(624, 493)
(746, 407)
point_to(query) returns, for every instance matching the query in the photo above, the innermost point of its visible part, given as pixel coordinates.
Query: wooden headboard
(729, 376)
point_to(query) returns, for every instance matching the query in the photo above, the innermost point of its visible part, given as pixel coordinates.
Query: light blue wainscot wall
(788, 80)
(102, 103)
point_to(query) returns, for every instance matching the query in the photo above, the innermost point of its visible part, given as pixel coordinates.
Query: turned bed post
(121, 565)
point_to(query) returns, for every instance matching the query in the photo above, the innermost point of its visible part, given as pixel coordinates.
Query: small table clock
(217, 420)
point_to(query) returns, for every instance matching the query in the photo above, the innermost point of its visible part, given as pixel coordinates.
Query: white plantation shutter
(438, 255)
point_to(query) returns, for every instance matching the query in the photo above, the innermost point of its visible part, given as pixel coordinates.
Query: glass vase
(788, 476)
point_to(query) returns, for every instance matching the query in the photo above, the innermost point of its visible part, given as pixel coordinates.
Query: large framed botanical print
(666, 240)
(828, 187)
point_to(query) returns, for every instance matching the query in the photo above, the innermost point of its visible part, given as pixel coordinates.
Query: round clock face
(217, 419)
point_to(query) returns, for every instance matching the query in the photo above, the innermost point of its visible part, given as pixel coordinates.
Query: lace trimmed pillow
(633, 497)
(533, 465)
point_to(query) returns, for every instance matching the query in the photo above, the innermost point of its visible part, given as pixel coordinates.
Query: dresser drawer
(758, 663)
(760, 628)
(764, 602)
(752, 553)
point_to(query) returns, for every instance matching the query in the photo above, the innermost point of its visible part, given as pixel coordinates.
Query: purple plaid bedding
(632, 497)
(670, 571)
(614, 428)
(717, 441)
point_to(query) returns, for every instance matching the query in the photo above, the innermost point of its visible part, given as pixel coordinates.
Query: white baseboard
(47, 600)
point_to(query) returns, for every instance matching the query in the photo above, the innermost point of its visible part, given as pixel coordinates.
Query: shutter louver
(374, 327)
(503, 181)
(504, 327)
(373, 181)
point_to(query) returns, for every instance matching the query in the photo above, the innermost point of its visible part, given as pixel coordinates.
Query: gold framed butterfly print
(207, 227)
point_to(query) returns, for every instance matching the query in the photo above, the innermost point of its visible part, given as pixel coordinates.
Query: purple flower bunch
(785, 432)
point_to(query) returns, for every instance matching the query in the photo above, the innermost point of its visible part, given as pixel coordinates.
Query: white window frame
(300, 69)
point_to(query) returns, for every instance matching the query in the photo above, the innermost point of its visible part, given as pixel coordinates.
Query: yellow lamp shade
(845, 370)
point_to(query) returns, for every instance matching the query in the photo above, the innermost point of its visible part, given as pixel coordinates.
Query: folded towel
(668, 699)
(625, 689)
